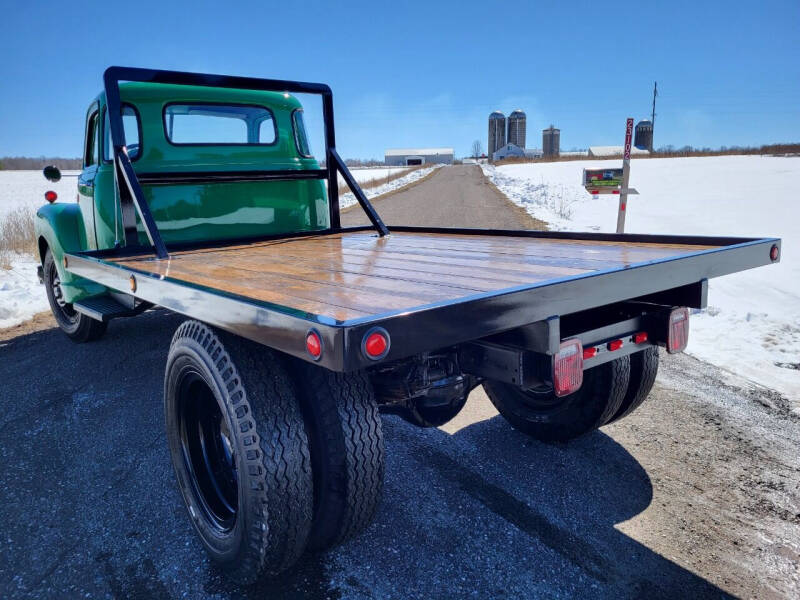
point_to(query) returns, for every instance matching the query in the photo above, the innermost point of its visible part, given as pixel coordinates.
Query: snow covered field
(752, 325)
(348, 199)
(27, 188)
(364, 174)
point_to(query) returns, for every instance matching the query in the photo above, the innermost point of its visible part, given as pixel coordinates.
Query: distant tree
(477, 149)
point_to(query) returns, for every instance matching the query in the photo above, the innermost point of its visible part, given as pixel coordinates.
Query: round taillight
(376, 343)
(774, 253)
(314, 344)
(50, 196)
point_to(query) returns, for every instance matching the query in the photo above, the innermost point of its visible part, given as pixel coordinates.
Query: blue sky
(428, 73)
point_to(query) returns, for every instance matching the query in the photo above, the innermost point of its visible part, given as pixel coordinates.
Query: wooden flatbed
(347, 276)
(456, 285)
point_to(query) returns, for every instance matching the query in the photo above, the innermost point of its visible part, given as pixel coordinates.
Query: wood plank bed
(357, 274)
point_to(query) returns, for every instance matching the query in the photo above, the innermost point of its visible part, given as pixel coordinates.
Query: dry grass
(17, 236)
(377, 181)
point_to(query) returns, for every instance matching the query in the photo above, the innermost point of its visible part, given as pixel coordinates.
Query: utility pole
(653, 116)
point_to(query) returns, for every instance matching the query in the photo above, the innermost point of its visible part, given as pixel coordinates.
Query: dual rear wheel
(272, 456)
(609, 392)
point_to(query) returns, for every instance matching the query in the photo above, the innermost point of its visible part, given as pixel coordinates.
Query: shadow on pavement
(89, 505)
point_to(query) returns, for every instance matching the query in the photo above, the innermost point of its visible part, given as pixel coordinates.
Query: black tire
(644, 368)
(240, 450)
(540, 414)
(347, 454)
(78, 327)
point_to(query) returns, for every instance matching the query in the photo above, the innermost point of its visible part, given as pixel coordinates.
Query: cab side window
(131, 126)
(91, 150)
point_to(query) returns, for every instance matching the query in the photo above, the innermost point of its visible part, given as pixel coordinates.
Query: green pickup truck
(200, 194)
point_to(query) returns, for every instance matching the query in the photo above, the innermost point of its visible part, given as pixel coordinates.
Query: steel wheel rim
(66, 310)
(208, 451)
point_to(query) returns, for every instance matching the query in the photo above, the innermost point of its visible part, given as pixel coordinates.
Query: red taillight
(678, 333)
(314, 344)
(375, 344)
(50, 196)
(568, 368)
(590, 352)
(614, 345)
(774, 253)
(640, 338)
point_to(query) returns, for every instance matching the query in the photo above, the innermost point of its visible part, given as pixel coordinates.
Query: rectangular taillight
(678, 330)
(568, 368)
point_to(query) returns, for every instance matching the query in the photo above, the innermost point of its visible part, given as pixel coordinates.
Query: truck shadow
(485, 511)
(537, 516)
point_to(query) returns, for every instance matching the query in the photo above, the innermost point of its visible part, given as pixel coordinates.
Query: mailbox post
(626, 175)
(614, 181)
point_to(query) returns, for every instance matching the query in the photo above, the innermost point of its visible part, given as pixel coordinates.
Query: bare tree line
(18, 163)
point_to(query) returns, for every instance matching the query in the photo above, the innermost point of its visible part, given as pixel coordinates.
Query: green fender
(60, 227)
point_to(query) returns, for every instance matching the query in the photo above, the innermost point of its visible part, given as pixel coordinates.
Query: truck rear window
(219, 124)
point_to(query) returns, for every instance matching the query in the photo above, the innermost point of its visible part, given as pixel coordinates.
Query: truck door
(107, 218)
(86, 180)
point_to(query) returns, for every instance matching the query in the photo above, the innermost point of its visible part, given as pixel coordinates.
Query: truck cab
(192, 148)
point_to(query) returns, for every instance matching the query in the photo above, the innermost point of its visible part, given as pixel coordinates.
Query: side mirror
(51, 173)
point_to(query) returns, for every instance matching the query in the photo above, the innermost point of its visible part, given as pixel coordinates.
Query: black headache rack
(528, 318)
(132, 199)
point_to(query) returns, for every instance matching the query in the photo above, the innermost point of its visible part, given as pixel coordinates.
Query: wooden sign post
(626, 175)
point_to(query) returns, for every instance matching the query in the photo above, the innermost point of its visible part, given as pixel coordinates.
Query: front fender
(60, 227)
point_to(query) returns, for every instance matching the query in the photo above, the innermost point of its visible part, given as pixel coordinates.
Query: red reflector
(678, 334)
(774, 253)
(640, 338)
(50, 196)
(568, 368)
(314, 344)
(614, 345)
(589, 352)
(376, 344)
(615, 192)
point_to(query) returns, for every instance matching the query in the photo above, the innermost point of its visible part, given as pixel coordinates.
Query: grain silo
(516, 128)
(644, 135)
(551, 141)
(497, 132)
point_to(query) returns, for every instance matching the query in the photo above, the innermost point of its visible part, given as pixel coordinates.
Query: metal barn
(401, 157)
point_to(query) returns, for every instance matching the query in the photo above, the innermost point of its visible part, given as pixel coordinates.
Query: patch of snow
(349, 199)
(21, 294)
(752, 324)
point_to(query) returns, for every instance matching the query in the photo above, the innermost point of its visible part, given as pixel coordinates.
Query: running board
(104, 308)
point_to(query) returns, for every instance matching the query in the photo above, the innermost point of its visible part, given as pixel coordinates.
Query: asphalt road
(457, 196)
(694, 495)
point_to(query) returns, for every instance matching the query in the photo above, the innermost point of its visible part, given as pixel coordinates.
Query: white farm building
(401, 157)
